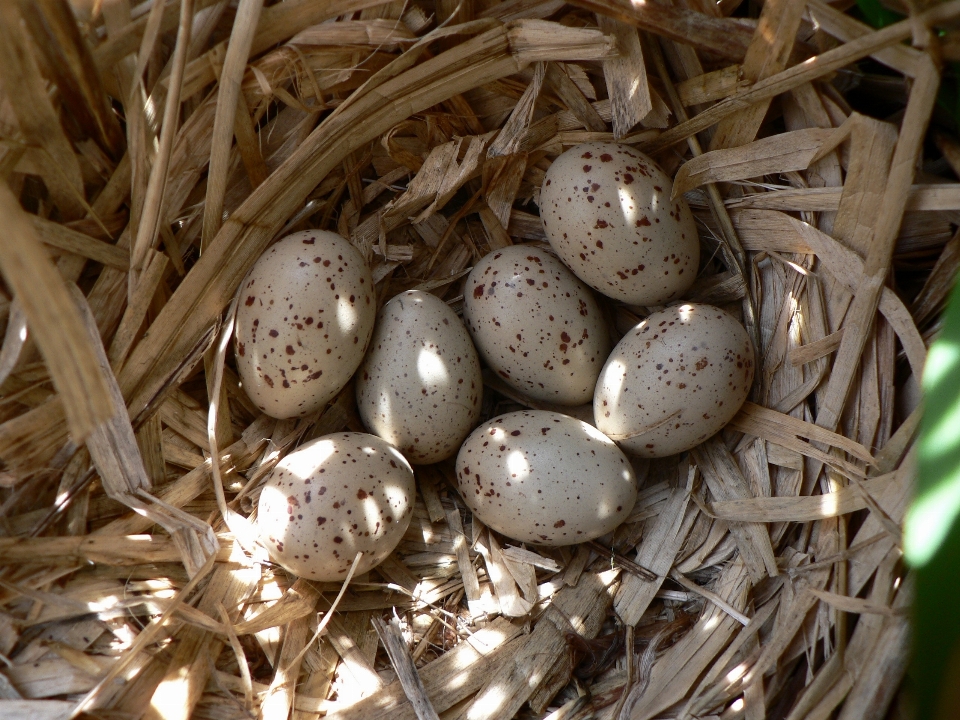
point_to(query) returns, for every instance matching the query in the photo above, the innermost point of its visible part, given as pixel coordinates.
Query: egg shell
(606, 210)
(334, 497)
(674, 380)
(304, 321)
(419, 387)
(545, 478)
(535, 324)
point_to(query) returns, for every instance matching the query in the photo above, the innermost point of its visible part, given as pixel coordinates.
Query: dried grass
(149, 154)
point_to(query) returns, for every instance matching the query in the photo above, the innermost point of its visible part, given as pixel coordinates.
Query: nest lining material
(149, 154)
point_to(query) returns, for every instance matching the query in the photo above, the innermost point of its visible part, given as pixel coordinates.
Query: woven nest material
(150, 153)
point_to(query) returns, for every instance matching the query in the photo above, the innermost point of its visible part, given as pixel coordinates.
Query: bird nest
(150, 153)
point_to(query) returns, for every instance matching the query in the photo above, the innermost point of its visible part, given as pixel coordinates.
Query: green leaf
(876, 14)
(932, 525)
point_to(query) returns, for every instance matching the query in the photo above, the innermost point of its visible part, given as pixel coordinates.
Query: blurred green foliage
(932, 525)
(932, 530)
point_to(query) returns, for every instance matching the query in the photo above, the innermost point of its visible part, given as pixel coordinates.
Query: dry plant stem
(155, 264)
(126, 39)
(726, 482)
(57, 36)
(626, 77)
(627, 564)
(812, 69)
(113, 550)
(241, 657)
(581, 608)
(322, 627)
(919, 198)
(767, 55)
(449, 679)
(471, 584)
(681, 666)
(789, 151)
(146, 636)
(54, 322)
(617, 712)
(711, 596)
(186, 670)
(859, 319)
(231, 75)
(276, 705)
(25, 90)
(77, 243)
(657, 551)
(733, 252)
(248, 143)
(139, 134)
(278, 23)
(882, 668)
(844, 27)
(246, 535)
(634, 689)
(14, 339)
(399, 654)
(148, 229)
(804, 508)
(703, 695)
(829, 674)
(787, 234)
(574, 99)
(114, 452)
(724, 37)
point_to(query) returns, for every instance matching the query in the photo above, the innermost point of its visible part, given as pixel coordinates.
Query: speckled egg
(334, 497)
(545, 478)
(535, 324)
(305, 317)
(606, 210)
(674, 380)
(419, 387)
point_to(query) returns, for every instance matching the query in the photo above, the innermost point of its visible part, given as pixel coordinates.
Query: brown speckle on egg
(352, 522)
(528, 358)
(627, 192)
(288, 291)
(421, 379)
(540, 469)
(655, 420)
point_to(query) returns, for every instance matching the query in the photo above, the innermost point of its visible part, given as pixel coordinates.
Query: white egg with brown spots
(419, 387)
(606, 210)
(545, 478)
(535, 324)
(334, 497)
(674, 380)
(304, 321)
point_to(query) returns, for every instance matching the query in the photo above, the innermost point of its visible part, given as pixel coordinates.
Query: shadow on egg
(415, 386)
(303, 324)
(334, 498)
(545, 478)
